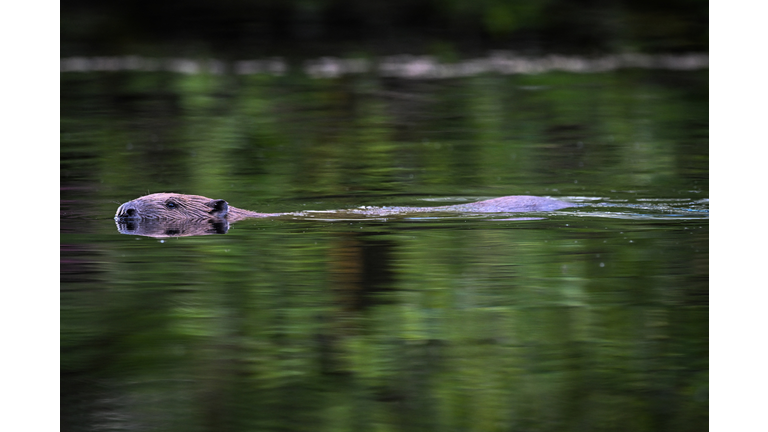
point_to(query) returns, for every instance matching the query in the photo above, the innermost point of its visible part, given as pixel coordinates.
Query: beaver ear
(219, 206)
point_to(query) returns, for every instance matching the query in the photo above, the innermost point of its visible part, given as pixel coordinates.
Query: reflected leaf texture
(374, 292)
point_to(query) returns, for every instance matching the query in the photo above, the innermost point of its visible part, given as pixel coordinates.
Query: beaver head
(172, 206)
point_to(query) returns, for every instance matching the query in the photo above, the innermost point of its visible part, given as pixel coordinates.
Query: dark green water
(588, 319)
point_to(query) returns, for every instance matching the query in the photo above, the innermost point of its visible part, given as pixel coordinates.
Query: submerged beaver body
(180, 207)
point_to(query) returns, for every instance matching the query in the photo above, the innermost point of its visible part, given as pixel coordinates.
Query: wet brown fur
(179, 207)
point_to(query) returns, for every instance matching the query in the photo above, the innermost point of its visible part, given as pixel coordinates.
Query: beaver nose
(125, 211)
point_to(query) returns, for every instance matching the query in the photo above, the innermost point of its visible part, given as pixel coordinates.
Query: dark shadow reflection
(165, 229)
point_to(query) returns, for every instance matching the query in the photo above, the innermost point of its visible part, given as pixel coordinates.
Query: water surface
(587, 318)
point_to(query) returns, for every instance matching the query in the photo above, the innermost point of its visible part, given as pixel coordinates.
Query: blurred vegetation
(245, 28)
(396, 326)
(572, 323)
(216, 134)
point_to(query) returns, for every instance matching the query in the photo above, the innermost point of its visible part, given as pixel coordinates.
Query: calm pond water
(585, 319)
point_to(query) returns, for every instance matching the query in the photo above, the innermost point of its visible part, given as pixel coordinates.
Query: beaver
(179, 207)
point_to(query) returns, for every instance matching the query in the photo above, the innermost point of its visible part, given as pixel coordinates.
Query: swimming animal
(180, 207)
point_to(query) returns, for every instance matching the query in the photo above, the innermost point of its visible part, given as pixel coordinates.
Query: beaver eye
(170, 204)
